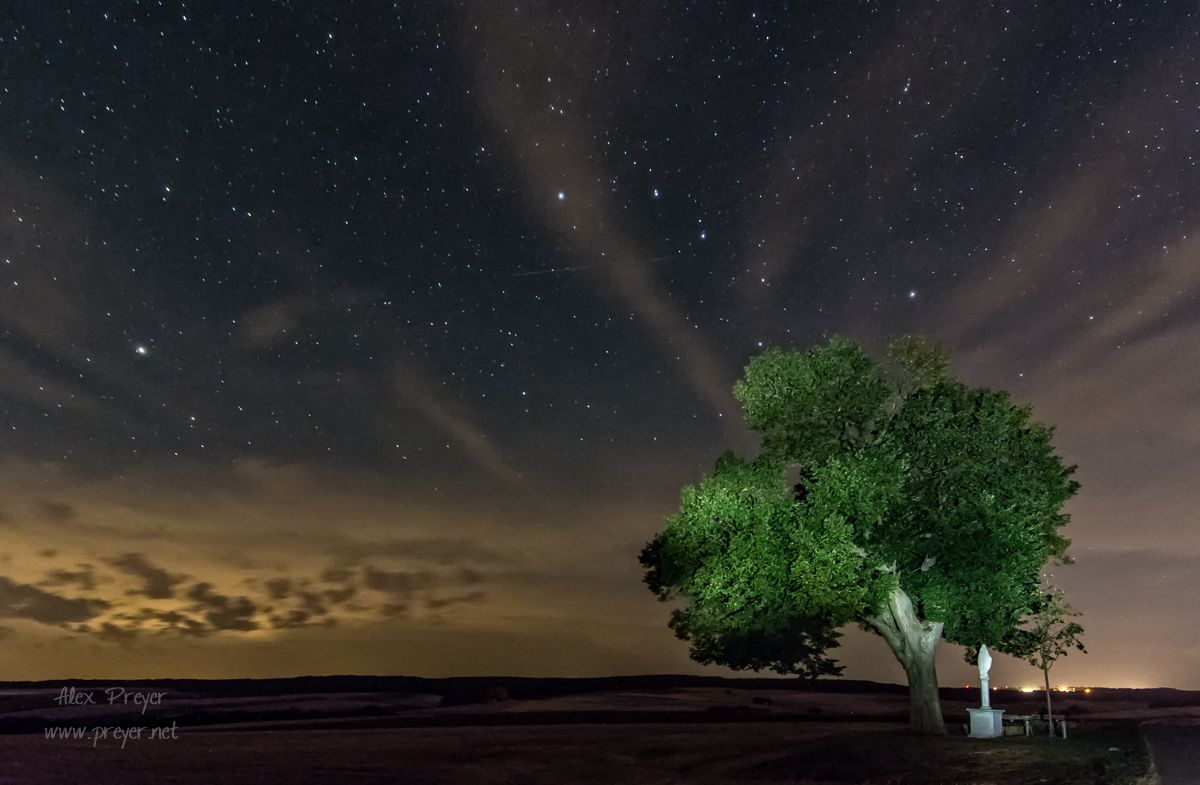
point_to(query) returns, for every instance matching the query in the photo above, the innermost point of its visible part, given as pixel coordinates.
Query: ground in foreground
(652, 753)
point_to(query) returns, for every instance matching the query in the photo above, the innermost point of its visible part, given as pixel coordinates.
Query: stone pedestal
(986, 723)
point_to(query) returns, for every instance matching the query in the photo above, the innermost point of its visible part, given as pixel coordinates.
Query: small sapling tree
(1050, 634)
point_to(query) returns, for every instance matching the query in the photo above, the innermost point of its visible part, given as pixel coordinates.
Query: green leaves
(1047, 633)
(922, 484)
(924, 366)
(731, 552)
(984, 483)
(813, 405)
(786, 646)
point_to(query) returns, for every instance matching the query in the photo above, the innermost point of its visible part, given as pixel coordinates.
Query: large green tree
(925, 509)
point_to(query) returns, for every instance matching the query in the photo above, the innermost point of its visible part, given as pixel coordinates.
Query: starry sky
(379, 338)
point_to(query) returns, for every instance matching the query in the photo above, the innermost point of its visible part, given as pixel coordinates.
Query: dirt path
(1175, 747)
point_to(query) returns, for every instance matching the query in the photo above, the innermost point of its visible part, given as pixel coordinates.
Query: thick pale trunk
(914, 642)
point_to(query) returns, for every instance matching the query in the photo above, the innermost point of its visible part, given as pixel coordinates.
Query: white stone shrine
(986, 722)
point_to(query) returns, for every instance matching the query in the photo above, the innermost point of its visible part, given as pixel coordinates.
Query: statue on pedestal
(985, 664)
(986, 722)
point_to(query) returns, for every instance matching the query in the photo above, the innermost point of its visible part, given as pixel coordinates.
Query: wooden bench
(1027, 720)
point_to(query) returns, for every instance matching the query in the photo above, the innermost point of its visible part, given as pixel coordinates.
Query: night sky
(369, 338)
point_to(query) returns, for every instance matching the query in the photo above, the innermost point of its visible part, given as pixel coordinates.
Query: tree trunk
(1049, 708)
(914, 642)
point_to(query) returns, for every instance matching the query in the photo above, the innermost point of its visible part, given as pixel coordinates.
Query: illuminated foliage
(925, 509)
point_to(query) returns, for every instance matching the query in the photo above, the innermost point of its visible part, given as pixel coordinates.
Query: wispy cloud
(24, 601)
(519, 68)
(159, 585)
(418, 389)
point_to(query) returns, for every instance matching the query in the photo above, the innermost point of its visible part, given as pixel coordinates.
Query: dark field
(642, 753)
(660, 730)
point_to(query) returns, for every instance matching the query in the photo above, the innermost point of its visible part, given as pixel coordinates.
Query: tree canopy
(925, 509)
